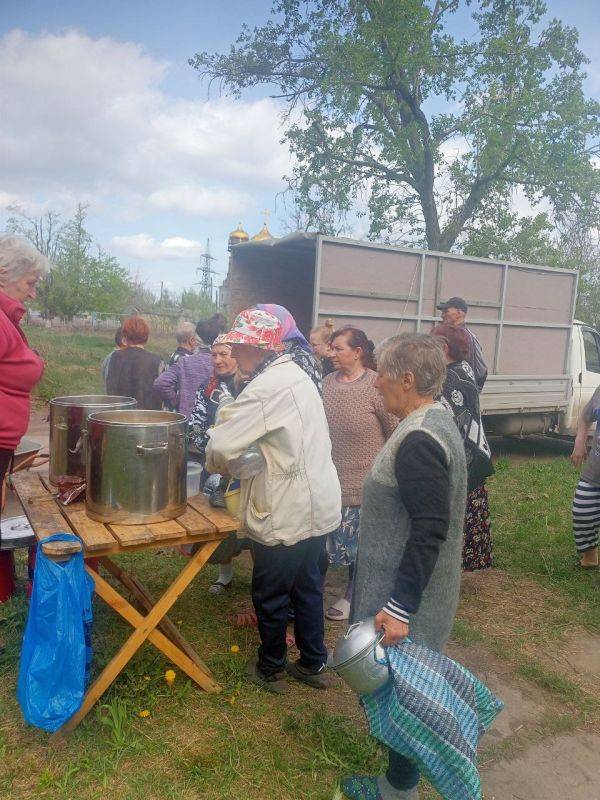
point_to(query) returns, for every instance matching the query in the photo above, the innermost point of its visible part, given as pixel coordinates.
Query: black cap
(454, 302)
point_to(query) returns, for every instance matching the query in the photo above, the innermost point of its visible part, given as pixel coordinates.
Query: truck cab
(585, 373)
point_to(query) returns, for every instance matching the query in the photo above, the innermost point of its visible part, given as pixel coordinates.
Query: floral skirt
(342, 544)
(477, 538)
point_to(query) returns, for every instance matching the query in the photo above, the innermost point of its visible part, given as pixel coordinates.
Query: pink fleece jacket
(20, 369)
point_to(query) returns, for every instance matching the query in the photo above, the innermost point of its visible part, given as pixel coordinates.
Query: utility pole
(205, 272)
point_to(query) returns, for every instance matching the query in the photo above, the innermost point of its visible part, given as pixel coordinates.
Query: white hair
(419, 353)
(184, 332)
(18, 258)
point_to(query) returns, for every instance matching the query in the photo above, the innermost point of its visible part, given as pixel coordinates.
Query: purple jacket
(178, 384)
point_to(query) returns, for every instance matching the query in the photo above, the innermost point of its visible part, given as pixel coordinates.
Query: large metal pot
(68, 417)
(359, 657)
(136, 466)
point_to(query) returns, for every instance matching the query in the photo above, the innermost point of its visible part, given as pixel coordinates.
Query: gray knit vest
(385, 528)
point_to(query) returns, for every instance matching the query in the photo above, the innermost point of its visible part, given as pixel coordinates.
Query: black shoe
(271, 683)
(315, 678)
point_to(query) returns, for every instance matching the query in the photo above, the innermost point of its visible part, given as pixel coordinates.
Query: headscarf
(257, 328)
(288, 324)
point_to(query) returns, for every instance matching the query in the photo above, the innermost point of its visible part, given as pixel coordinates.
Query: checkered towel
(433, 711)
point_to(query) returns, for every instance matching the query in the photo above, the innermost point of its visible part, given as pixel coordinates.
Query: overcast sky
(98, 105)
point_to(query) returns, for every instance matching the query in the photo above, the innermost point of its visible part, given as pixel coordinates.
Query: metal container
(136, 466)
(359, 657)
(68, 416)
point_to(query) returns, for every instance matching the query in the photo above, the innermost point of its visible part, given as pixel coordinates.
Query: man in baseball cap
(454, 312)
(455, 302)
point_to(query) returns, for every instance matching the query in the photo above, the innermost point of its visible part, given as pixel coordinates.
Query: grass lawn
(245, 744)
(73, 360)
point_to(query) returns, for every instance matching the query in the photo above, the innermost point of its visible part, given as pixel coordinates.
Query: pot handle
(148, 450)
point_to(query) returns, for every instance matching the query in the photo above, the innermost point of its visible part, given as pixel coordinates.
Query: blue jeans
(282, 574)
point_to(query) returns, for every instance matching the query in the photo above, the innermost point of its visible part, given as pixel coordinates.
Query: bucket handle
(148, 450)
(351, 628)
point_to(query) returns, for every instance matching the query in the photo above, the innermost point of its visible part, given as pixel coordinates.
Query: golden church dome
(263, 234)
(238, 236)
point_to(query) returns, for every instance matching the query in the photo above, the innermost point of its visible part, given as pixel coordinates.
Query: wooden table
(200, 524)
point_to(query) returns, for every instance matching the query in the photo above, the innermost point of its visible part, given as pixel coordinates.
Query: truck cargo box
(521, 314)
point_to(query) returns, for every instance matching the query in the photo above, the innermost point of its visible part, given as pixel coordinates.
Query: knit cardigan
(385, 529)
(359, 426)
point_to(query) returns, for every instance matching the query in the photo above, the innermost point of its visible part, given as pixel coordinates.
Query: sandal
(588, 559)
(339, 611)
(244, 619)
(218, 587)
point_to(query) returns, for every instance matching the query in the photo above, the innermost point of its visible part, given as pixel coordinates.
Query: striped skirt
(586, 516)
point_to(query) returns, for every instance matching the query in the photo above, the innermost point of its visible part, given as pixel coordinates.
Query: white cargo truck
(543, 365)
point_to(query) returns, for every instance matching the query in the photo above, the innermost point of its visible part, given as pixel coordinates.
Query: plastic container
(194, 471)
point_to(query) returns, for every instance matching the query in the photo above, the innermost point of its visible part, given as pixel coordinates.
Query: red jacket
(20, 370)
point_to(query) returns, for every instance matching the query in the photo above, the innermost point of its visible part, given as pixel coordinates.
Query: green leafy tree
(45, 232)
(197, 304)
(79, 280)
(379, 93)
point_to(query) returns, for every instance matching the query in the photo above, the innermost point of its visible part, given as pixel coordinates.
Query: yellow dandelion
(234, 648)
(170, 676)
(146, 677)
(143, 714)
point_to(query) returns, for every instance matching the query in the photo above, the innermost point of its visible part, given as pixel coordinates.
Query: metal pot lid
(137, 417)
(358, 640)
(92, 400)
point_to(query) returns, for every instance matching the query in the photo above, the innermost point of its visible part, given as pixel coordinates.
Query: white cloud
(8, 199)
(144, 246)
(213, 202)
(83, 116)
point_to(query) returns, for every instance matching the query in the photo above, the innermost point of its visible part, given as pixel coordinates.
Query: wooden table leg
(144, 628)
(197, 673)
(147, 601)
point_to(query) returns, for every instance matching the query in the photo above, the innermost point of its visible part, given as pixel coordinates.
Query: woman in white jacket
(289, 507)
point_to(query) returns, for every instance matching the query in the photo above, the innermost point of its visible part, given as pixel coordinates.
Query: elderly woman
(178, 385)
(295, 343)
(289, 507)
(320, 341)
(409, 561)
(119, 345)
(185, 336)
(461, 396)
(133, 370)
(21, 267)
(359, 426)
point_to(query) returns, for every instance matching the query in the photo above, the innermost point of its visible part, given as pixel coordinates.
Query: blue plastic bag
(56, 653)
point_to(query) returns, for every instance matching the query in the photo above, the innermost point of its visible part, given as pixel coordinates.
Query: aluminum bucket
(68, 418)
(136, 466)
(360, 659)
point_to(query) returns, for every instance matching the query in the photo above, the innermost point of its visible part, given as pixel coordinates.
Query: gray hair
(184, 332)
(418, 353)
(18, 258)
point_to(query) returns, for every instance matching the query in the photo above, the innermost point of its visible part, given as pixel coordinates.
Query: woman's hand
(395, 631)
(579, 454)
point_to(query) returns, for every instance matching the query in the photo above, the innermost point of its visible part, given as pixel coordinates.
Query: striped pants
(586, 516)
